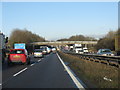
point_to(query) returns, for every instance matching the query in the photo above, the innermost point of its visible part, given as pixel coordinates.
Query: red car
(18, 55)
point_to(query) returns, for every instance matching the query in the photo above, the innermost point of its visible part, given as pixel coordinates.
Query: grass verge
(94, 75)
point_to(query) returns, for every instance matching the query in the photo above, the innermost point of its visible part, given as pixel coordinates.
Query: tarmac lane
(47, 72)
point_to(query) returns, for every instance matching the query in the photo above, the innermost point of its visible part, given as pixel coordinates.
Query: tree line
(108, 41)
(78, 38)
(24, 36)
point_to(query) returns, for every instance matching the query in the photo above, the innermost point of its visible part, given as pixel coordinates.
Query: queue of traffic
(43, 50)
(20, 54)
(78, 48)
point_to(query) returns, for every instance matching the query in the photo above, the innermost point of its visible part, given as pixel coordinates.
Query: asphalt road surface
(47, 72)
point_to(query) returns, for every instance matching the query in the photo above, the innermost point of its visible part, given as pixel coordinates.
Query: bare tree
(24, 36)
(107, 42)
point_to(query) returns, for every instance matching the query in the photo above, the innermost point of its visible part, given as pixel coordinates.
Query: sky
(55, 20)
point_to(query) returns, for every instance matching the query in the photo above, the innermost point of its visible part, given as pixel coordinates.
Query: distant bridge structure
(56, 43)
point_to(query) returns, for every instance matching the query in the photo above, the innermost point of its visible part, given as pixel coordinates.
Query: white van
(85, 50)
(77, 48)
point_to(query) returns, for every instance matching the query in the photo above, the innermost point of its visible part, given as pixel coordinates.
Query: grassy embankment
(93, 74)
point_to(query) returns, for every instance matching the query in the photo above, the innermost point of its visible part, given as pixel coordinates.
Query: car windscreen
(106, 50)
(77, 47)
(80, 50)
(37, 50)
(17, 52)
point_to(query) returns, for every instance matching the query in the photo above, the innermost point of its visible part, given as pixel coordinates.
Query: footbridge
(54, 43)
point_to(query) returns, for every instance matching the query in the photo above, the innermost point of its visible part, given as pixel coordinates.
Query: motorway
(46, 72)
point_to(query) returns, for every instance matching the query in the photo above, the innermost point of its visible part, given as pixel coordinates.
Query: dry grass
(92, 73)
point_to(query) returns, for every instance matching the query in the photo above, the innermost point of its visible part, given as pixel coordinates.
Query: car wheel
(9, 63)
(28, 61)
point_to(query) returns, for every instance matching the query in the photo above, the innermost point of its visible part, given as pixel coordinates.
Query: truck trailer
(77, 48)
(2, 47)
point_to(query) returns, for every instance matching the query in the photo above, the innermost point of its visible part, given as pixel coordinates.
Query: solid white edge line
(0, 84)
(77, 83)
(20, 72)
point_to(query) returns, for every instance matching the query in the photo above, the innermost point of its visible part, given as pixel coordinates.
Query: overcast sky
(54, 20)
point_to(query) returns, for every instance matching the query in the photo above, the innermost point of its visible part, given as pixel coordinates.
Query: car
(18, 55)
(44, 50)
(53, 50)
(48, 50)
(85, 50)
(80, 51)
(105, 52)
(38, 53)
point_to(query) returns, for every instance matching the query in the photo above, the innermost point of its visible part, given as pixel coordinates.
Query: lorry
(85, 50)
(77, 48)
(3, 41)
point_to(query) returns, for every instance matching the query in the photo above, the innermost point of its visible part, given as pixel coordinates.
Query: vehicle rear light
(25, 55)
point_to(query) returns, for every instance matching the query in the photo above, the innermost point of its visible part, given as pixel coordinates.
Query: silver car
(38, 53)
(105, 52)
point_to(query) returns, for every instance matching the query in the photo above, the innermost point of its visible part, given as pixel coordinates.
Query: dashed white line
(20, 72)
(0, 84)
(39, 60)
(32, 64)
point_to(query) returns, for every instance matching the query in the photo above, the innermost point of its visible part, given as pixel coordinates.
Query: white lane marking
(78, 84)
(0, 84)
(20, 72)
(47, 55)
(39, 60)
(32, 64)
